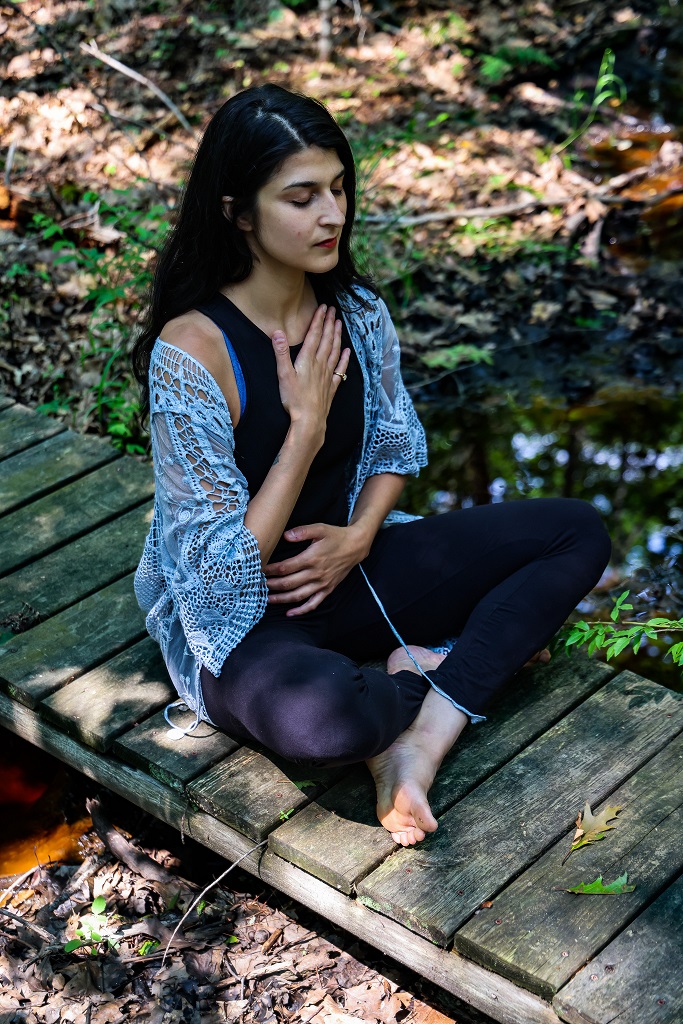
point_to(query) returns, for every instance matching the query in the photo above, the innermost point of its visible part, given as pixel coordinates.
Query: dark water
(624, 455)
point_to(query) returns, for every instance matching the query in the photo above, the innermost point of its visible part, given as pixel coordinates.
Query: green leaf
(598, 888)
(306, 784)
(231, 940)
(71, 945)
(99, 905)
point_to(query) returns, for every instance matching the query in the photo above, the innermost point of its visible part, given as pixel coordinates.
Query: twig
(17, 882)
(40, 29)
(526, 207)
(204, 892)
(136, 860)
(40, 932)
(146, 125)
(9, 161)
(93, 50)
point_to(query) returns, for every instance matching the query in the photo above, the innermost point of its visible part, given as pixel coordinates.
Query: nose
(332, 213)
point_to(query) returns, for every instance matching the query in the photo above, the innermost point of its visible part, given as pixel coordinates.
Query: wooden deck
(86, 684)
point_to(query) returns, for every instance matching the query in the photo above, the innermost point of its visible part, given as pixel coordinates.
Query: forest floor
(489, 233)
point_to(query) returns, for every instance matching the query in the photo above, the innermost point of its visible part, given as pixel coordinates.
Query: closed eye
(306, 202)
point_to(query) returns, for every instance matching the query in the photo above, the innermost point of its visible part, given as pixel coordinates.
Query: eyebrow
(312, 184)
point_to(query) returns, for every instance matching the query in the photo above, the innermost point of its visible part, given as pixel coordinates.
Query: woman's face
(301, 212)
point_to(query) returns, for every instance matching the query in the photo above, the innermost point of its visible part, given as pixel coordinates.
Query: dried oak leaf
(592, 827)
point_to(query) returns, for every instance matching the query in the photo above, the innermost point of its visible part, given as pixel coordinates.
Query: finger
(303, 592)
(314, 332)
(309, 605)
(327, 336)
(290, 565)
(336, 345)
(283, 360)
(342, 367)
(288, 584)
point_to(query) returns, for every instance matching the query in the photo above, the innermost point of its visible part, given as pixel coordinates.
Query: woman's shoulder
(191, 347)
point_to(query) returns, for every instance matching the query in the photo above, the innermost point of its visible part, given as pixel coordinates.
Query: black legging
(502, 577)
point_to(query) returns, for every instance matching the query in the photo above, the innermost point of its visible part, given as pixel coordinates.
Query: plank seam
(76, 536)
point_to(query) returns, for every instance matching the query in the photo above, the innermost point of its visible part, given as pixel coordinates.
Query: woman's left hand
(312, 575)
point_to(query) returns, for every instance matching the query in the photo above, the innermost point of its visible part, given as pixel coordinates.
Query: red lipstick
(329, 243)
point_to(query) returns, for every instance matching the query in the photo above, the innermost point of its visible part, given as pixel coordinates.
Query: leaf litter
(235, 958)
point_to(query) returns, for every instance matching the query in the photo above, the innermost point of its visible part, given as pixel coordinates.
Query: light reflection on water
(625, 458)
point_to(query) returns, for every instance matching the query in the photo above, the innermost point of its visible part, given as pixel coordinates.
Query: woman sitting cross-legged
(282, 434)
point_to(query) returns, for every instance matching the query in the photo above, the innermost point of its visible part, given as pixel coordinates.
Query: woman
(282, 434)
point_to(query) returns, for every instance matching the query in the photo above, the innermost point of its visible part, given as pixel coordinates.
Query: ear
(242, 222)
(227, 203)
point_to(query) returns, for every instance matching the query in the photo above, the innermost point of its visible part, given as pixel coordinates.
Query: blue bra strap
(239, 376)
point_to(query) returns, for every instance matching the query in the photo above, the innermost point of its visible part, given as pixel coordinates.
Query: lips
(329, 243)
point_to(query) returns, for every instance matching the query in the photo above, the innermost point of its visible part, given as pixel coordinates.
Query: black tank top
(263, 425)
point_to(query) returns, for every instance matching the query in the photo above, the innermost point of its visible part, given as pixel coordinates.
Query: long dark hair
(243, 146)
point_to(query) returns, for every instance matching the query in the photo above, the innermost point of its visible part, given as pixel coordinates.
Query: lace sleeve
(212, 560)
(398, 444)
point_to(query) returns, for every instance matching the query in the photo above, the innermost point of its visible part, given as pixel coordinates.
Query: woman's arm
(377, 498)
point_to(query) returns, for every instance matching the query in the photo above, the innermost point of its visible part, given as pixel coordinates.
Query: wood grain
(495, 996)
(79, 568)
(100, 705)
(253, 791)
(55, 461)
(21, 428)
(637, 978)
(174, 760)
(538, 935)
(508, 821)
(338, 838)
(71, 511)
(36, 663)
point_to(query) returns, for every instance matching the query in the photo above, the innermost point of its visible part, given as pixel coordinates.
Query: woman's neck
(274, 300)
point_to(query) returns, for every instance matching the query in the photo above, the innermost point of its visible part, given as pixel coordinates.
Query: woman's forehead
(308, 165)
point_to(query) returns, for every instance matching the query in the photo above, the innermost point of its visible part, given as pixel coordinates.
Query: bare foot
(404, 772)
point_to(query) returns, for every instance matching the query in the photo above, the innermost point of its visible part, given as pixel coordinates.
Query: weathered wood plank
(79, 568)
(539, 936)
(254, 793)
(477, 986)
(21, 428)
(5, 401)
(36, 663)
(338, 837)
(508, 821)
(55, 461)
(174, 760)
(73, 510)
(638, 978)
(100, 705)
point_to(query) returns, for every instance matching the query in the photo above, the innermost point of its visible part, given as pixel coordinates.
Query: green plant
(495, 67)
(120, 277)
(91, 927)
(615, 636)
(608, 87)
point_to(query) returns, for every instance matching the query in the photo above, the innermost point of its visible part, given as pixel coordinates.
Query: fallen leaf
(590, 828)
(598, 888)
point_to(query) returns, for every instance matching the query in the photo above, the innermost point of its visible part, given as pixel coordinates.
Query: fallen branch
(42, 933)
(491, 212)
(134, 859)
(93, 50)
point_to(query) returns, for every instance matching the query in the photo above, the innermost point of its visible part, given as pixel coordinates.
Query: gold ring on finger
(338, 374)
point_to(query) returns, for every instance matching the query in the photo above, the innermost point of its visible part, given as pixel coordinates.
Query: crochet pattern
(200, 580)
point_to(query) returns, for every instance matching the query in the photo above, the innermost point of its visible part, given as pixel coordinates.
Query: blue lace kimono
(200, 580)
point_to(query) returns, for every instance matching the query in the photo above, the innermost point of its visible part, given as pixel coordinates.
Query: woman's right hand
(308, 386)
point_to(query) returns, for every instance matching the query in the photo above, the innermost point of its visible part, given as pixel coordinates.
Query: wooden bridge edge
(486, 991)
